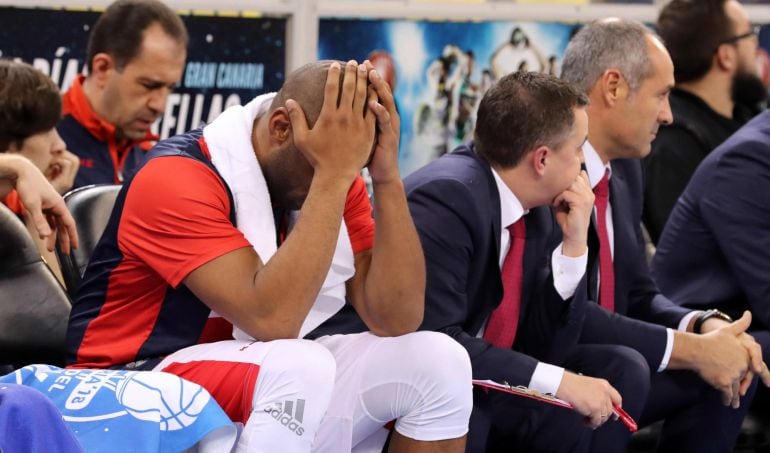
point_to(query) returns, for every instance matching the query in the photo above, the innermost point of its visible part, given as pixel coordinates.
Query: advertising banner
(440, 70)
(229, 60)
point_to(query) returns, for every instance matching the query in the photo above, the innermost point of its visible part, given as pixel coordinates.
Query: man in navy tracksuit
(136, 54)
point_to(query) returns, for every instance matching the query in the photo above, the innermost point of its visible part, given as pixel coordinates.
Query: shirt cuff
(669, 347)
(546, 378)
(686, 320)
(567, 272)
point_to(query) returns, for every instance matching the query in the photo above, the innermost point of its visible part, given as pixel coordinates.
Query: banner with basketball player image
(441, 70)
(230, 59)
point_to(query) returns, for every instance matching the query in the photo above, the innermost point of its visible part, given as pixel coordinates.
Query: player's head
(136, 53)
(287, 172)
(627, 74)
(30, 107)
(536, 121)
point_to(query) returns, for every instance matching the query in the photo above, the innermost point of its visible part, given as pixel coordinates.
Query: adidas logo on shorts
(289, 414)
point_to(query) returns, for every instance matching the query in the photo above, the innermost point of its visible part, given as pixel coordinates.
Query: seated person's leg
(420, 380)
(761, 403)
(696, 418)
(627, 371)
(522, 424)
(536, 426)
(278, 390)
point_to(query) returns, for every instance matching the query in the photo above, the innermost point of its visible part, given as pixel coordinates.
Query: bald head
(306, 86)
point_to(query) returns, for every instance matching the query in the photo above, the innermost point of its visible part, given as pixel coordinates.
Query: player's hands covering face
(384, 164)
(340, 142)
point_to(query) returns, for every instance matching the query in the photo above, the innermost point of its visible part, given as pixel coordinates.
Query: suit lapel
(533, 256)
(593, 260)
(493, 253)
(619, 200)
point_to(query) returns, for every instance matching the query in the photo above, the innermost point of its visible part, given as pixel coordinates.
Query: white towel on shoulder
(228, 139)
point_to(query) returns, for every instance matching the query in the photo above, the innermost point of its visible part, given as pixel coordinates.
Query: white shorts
(422, 381)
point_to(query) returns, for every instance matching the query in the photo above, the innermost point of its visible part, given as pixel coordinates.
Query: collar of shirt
(594, 165)
(510, 206)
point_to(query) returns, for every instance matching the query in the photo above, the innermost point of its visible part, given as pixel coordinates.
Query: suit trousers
(508, 423)
(695, 418)
(761, 403)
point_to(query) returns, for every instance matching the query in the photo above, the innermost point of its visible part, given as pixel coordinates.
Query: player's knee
(436, 358)
(440, 369)
(439, 355)
(302, 360)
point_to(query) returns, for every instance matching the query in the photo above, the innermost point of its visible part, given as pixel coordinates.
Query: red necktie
(502, 324)
(606, 269)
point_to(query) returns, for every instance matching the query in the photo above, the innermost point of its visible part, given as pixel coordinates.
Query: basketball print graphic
(163, 398)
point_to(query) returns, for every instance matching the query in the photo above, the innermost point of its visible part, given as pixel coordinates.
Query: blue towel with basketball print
(133, 411)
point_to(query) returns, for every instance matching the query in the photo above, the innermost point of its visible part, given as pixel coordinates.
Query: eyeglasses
(733, 39)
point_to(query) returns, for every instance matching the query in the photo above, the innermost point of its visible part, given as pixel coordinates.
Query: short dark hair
(692, 30)
(522, 111)
(29, 103)
(120, 29)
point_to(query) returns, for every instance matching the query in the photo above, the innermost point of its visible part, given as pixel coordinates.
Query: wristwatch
(708, 314)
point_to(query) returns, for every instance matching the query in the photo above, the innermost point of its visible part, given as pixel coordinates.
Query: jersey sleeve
(13, 202)
(358, 217)
(176, 218)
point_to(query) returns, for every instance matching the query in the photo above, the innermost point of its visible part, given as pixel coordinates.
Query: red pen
(625, 418)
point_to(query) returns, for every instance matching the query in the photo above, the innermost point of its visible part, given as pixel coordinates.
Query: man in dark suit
(628, 74)
(493, 258)
(714, 252)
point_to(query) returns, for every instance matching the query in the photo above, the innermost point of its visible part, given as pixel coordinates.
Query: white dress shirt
(567, 274)
(596, 169)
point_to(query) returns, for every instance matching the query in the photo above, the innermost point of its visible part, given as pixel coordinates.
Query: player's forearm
(395, 283)
(291, 280)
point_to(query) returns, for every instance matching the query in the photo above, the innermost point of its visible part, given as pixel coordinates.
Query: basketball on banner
(162, 397)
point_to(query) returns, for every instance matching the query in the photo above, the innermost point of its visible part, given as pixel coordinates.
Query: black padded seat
(34, 308)
(91, 207)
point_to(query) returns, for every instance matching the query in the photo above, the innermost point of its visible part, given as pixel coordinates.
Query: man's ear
(279, 126)
(613, 85)
(539, 159)
(101, 66)
(724, 57)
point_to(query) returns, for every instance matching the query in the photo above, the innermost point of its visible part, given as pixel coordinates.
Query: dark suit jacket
(636, 296)
(456, 208)
(715, 249)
